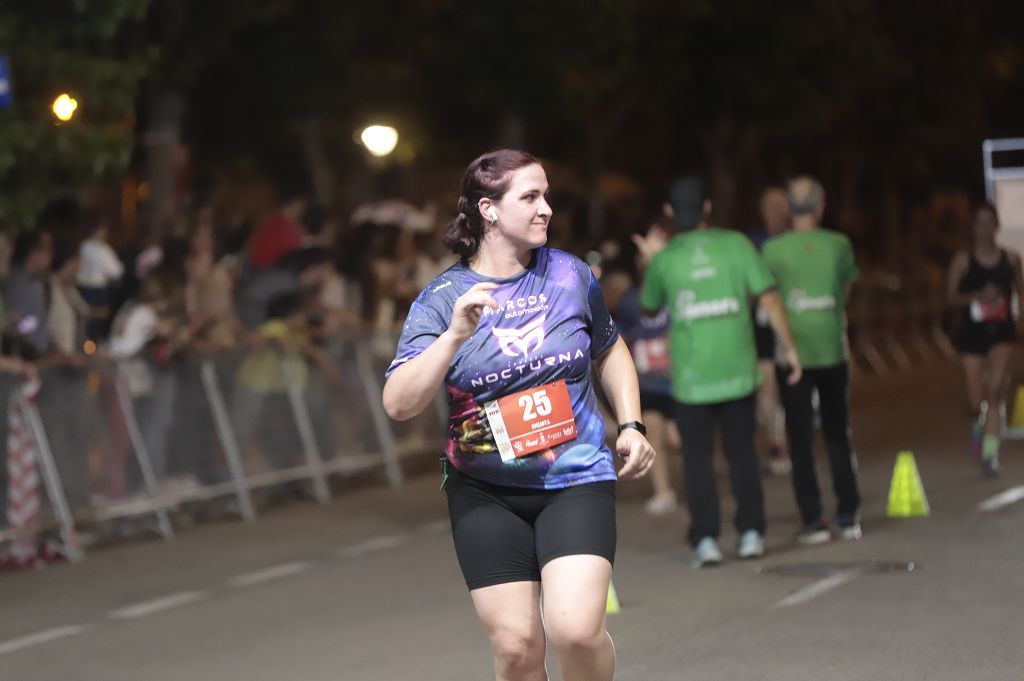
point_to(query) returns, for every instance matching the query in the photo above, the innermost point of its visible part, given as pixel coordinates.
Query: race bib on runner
(998, 311)
(531, 420)
(651, 355)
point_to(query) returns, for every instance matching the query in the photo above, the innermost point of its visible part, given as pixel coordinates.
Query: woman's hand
(636, 451)
(468, 309)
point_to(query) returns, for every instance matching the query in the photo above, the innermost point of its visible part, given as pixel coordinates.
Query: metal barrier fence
(136, 442)
(897, 323)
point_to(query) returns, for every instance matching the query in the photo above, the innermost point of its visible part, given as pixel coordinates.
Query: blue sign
(6, 97)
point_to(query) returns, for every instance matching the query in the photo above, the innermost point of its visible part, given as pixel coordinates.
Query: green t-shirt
(814, 269)
(706, 279)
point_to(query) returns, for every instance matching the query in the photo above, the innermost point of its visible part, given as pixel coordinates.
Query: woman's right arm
(412, 386)
(957, 269)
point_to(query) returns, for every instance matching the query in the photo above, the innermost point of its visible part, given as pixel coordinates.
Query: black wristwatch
(635, 425)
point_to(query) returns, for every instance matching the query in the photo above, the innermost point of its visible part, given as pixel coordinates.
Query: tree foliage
(90, 49)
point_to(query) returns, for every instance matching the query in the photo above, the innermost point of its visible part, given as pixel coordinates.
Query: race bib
(998, 311)
(651, 355)
(531, 420)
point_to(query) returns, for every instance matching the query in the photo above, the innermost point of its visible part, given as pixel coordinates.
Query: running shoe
(662, 504)
(706, 554)
(751, 545)
(849, 527)
(990, 468)
(814, 533)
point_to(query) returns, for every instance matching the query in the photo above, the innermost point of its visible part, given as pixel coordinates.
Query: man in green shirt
(706, 276)
(814, 269)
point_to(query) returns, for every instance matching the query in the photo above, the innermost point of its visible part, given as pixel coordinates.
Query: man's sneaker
(751, 545)
(848, 527)
(662, 504)
(706, 554)
(814, 533)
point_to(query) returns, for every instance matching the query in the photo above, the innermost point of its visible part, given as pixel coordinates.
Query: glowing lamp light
(64, 107)
(379, 140)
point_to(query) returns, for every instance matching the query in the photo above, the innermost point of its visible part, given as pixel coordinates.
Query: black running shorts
(663, 404)
(975, 338)
(507, 534)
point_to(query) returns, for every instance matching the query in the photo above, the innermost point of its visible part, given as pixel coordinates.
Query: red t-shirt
(274, 237)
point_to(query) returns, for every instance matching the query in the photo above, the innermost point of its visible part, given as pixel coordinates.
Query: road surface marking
(437, 526)
(38, 638)
(157, 605)
(388, 541)
(1010, 496)
(270, 573)
(816, 589)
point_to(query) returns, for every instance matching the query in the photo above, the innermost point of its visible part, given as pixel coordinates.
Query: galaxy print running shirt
(553, 321)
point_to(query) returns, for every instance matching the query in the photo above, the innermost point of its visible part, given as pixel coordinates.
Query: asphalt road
(368, 588)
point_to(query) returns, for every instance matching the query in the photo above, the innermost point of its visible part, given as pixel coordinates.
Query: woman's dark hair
(285, 305)
(487, 177)
(64, 250)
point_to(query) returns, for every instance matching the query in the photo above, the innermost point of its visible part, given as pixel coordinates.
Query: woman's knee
(578, 638)
(518, 654)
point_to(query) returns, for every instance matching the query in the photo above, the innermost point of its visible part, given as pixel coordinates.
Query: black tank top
(978, 276)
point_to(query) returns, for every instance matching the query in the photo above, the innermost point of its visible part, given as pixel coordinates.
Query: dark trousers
(735, 420)
(833, 385)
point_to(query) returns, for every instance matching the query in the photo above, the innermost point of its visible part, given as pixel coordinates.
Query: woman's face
(985, 224)
(523, 212)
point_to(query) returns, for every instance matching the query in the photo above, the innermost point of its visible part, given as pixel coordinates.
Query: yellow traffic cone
(612, 606)
(906, 494)
(1017, 420)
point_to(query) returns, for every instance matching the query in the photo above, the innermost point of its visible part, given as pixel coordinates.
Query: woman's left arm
(617, 374)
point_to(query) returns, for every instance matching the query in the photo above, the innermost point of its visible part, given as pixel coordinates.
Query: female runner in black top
(985, 285)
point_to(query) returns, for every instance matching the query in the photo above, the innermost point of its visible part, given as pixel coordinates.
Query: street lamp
(379, 140)
(64, 107)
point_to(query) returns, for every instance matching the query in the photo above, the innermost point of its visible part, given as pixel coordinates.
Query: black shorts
(507, 534)
(663, 404)
(974, 338)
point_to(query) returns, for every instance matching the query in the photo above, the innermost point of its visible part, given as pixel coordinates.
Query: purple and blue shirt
(551, 324)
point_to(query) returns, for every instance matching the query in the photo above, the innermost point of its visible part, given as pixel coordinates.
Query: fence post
(51, 478)
(300, 411)
(141, 455)
(371, 384)
(226, 435)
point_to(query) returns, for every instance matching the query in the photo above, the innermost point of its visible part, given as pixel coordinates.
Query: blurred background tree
(91, 50)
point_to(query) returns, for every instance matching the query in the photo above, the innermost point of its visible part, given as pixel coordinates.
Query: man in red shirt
(279, 234)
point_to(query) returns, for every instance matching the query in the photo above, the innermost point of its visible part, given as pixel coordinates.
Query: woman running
(512, 331)
(648, 342)
(985, 283)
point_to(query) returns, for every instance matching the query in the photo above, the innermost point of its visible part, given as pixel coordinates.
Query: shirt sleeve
(603, 332)
(652, 297)
(110, 263)
(847, 265)
(424, 323)
(759, 279)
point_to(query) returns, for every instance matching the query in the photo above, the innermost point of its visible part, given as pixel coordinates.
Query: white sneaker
(662, 504)
(814, 534)
(706, 554)
(751, 545)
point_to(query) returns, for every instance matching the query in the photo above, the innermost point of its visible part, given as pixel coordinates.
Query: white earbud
(492, 214)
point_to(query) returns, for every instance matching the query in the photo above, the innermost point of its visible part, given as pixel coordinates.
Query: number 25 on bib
(531, 420)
